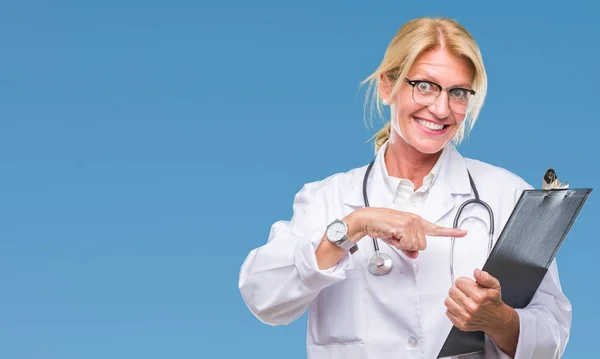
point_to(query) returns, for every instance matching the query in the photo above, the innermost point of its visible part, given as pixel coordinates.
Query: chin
(428, 147)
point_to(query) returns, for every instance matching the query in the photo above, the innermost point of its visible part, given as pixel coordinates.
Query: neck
(404, 161)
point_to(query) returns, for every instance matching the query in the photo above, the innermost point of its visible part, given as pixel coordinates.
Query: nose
(440, 108)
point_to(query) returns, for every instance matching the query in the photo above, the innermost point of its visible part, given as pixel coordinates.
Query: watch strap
(348, 245)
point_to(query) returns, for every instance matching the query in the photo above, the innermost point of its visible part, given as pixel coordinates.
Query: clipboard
(533, 234)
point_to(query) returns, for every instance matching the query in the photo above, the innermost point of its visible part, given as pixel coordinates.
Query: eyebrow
(429, 77)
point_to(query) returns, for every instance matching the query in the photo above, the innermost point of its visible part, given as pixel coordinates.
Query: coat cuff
(527, 335)
(308, 269)
(526, 341)
(525, 349)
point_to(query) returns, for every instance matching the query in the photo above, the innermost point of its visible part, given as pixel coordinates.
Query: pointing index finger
(432, 229)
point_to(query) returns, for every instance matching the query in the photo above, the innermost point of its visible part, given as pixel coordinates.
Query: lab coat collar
(452, 179)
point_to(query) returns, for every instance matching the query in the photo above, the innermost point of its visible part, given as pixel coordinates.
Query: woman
(433, 78)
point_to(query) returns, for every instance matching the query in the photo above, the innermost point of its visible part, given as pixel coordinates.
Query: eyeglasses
(425, 93)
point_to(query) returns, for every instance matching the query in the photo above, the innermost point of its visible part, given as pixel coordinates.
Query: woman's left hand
(477, 305)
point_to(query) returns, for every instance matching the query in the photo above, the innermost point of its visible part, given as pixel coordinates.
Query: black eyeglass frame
(414, 83)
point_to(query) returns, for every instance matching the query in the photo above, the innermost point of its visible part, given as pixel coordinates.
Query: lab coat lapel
(438, 203)
(452, 180)
(353, 195)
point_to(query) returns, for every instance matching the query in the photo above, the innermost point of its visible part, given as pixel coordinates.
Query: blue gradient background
(146, 147)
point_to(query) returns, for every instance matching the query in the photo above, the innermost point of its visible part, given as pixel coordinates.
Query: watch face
(336, 231)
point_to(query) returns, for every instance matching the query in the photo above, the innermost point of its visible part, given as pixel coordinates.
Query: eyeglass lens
(426, 93)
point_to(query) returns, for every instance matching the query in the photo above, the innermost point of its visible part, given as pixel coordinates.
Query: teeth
(430, 125)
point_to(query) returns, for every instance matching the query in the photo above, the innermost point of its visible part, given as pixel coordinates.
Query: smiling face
(429, 128)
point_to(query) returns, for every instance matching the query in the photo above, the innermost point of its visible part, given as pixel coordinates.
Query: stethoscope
(381, 263)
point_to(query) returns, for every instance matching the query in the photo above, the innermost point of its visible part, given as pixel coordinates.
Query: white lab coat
(353, 314)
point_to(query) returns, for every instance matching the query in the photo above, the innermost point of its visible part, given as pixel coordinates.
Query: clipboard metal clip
(550, 181)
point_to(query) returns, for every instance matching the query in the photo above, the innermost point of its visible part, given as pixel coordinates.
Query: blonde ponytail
(382, 136)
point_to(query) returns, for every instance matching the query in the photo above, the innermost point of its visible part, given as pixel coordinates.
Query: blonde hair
(412, 40)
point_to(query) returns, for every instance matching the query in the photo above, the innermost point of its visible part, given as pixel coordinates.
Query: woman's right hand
(403, 230)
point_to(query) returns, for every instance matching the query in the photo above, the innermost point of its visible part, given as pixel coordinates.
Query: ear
(385, 88)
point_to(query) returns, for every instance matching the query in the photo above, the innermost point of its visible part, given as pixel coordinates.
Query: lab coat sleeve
(544, 325)
(279, 280)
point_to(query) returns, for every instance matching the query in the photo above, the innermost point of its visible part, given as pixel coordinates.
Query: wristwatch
(337, 232)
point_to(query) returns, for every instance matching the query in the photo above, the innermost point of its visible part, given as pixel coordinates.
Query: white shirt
(401, 191)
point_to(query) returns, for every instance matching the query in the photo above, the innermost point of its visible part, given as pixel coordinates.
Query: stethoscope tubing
(382, 264)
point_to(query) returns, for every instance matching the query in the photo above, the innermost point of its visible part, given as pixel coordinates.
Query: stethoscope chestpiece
(380, 264)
